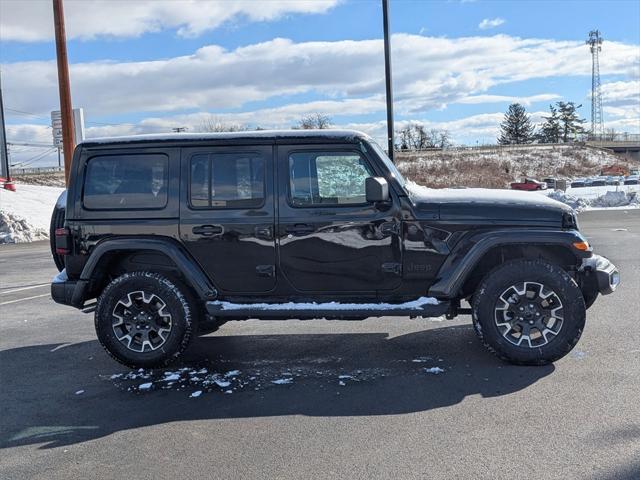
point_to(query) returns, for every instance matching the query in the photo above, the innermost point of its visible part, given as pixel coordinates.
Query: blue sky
(220, 60)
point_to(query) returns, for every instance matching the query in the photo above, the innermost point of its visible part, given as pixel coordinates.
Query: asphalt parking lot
(352, 399)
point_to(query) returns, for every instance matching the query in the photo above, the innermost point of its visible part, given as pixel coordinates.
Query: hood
(483, 205)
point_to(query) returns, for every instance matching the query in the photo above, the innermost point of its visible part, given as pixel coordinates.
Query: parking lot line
(24, 288)
(23, 299)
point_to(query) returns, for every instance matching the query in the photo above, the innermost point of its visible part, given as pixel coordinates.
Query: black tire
(177, 313)
(57, 221)
(497, 322)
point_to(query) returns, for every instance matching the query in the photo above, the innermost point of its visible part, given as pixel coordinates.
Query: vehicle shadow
(39, 383)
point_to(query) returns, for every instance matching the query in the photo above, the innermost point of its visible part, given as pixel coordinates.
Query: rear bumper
(68, 292)
(606, 274)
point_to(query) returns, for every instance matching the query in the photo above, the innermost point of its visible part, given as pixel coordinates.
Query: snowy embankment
(25, 214)
(598, 198)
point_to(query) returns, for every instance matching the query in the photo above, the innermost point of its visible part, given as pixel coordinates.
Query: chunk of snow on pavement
(232, 373)
(414, 304)
(222, 383)
(341, 383)
(434, 370)
(172, 377)
(344, 377)
(145, 386)
(79, 392)
(195, 394)
(282, 381)
(228, 391)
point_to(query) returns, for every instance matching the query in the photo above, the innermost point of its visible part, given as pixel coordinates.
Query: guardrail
(35, 170)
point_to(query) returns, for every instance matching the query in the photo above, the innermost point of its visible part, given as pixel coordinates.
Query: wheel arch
(115, 255)
(477, 255)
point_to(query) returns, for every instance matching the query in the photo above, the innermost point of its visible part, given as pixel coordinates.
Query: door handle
(299, 229)
(208, 230)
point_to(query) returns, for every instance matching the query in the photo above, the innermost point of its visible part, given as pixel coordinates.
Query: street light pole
(68, 143)
(387, 74)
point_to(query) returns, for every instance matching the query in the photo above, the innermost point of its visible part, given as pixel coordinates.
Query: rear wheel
(144, 319)
(529, 312)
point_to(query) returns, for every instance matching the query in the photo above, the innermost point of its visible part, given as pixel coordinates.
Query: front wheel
(143, 319)
(529, 312)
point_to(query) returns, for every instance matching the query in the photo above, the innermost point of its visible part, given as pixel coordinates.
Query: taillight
(63, 241)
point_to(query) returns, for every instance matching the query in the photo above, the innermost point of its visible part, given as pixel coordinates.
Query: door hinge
(392, 267)
(266, 270)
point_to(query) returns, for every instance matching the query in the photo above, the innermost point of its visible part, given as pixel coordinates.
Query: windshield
(395, 173)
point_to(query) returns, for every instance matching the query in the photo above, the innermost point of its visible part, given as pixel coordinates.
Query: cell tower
(595, 44)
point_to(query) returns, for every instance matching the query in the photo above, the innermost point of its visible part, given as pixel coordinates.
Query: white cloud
(480, 99)
(488, 23)
(429, 73)
(32, 20)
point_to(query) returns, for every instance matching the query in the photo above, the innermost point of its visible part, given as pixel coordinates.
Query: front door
(227, 215)
(330, 239)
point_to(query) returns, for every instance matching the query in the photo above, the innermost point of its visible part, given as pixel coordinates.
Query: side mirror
(377, 189)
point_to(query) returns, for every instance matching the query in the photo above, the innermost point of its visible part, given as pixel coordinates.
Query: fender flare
(468, 252)
(192, 272)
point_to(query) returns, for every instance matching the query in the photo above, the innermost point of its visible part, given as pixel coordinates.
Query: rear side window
(226, 180)
(131, 181)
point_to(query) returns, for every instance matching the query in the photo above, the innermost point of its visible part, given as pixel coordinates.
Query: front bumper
(607, 276)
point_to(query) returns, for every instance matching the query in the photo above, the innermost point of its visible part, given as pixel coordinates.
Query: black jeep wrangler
(176, 234)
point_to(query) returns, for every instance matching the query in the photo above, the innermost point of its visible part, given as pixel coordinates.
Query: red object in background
(529, 184)
(7, 184)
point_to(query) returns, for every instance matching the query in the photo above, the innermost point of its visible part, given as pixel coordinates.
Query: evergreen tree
(570, 122)
(550, 131)
(516, 127)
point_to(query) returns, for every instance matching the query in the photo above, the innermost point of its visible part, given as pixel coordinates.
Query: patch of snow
(145, 386)
(222, 383)
(196, 394)
(228, 391)
(341, 383)
(282, 381)
(27, 212)
(171, 378)
(434, 370)
(232, 373)
(79, 392)
(414, 304)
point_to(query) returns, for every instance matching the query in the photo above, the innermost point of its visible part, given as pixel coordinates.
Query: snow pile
(574, 202)
(610, 199)
(15, 229)
(26, 213)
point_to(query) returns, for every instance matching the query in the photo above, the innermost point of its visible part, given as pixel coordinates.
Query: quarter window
(327, 178)
(133, 181)
(227, 180)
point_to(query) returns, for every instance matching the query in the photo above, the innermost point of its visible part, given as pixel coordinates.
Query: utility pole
(68, 143)
(4, 153)
(387, 74)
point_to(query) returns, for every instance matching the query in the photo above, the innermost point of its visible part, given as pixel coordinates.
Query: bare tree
(314, 121)
(414, 136)
(214, 124)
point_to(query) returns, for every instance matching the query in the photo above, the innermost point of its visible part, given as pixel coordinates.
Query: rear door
(227, 215)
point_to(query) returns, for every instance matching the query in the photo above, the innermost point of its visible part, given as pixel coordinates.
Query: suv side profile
(170, 236)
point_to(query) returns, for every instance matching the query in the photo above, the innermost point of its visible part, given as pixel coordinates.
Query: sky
(150, 66)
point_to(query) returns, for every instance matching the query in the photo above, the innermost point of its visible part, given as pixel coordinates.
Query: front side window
(327, 178)
(129, 181)
(234, 180)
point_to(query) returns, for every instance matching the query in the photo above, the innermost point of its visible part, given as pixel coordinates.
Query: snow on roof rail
(348, 135)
